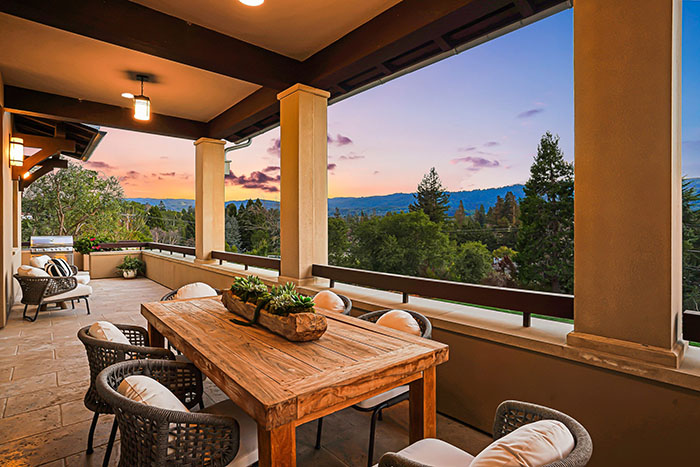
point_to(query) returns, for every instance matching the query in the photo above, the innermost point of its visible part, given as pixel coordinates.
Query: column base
(647, 353)
(204, 261)
(302, 282)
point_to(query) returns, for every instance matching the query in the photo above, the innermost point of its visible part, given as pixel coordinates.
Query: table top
(277, 381)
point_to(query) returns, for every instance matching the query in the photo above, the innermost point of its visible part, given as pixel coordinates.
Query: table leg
(155, 338)
(277, 447)
(422, 408)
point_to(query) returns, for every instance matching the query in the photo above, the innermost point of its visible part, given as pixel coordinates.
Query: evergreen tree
(431, 197)
(460, 214)
(480, 216)
(546, 237)
(232, 233)
(691, 247)
(511, 209)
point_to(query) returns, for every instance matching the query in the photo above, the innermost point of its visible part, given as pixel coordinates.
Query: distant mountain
(372, 204)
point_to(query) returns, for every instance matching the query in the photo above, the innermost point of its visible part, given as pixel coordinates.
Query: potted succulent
(131, 266)
(281, 309)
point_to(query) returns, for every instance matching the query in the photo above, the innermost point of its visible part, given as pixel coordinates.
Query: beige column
(209, 198)
(627, 59)
(304, 183)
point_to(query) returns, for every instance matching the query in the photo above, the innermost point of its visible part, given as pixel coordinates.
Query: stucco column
(627, 61)
(209, 198)
(304, 181)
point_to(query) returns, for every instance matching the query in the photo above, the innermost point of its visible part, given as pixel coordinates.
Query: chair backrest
(424, 323)
(512, 414)
(35, 289)
(102, 353)
(171, 295)
(155, 436)
(347, 302)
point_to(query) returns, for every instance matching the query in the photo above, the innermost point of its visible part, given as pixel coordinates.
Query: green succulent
(249, 289)
(281, 300)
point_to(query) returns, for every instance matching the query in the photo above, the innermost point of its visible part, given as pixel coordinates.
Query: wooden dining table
(283, 384)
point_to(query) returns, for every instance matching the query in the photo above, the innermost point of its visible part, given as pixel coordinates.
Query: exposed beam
(525, 7)
(45, 168)
(41, 104)
(136, 27)
(49, 146)
(247, 112)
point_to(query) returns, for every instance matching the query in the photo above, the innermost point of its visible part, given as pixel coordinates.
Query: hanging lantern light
(16, 151)
(142, 104)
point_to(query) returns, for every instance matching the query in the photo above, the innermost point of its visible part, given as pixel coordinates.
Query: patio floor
(44, 375)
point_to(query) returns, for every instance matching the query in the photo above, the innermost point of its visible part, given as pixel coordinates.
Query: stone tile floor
(44, 375)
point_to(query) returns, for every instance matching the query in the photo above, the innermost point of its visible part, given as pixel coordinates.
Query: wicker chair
(101, 354)
(159, 437)
(41, 291)
(387, 399)
(511, 415)
(346, 302)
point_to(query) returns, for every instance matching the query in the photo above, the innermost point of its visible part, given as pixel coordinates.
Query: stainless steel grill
(55, 246)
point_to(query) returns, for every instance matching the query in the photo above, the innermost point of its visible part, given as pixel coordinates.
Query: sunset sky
(477, 117)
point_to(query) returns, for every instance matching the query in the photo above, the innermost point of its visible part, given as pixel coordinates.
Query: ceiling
(76, 66)
(295, 28)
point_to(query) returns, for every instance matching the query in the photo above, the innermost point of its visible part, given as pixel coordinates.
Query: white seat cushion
(31, 271)
(328, 300)
(83, 277)
(107, 331)
(535, 444)
(401, 321)
(39, 261)
(148, 391)
(248, 450)
(383, 397)
(195, 290)
(435, 452)
(81, 290)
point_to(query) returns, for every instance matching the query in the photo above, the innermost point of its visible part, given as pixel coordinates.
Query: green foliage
(232, 233)
(338, 241)
(691, 247)
(131, 263)
(431, 197)
(546, 237)
(502, 252)
(258, 229)
(472, 262)
(249, 289)
(86, 245)
(285, 300)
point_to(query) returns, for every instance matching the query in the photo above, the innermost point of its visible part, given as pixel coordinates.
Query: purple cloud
(271, 168)
(332, 166)
(275, 147)
(256, 180)
(351, 157)
(490, 144)
(167, 174)
(376, 172)
(339, 140)
(131, 174)
(530, 113)
(476, 163)
(99, 165)
(467, 149)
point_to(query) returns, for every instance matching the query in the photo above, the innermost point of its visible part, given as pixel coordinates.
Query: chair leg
(72, 304)
(110, 443)
(380, 416)
(372, 428)
(92, 432)
(319, 431)
(87, 305)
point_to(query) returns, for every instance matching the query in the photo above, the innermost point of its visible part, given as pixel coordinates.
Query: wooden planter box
(296, 327)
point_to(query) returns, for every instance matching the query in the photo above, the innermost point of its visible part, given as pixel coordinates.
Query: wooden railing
(247, 260)
(525, 301)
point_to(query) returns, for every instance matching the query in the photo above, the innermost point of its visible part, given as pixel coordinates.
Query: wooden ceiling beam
(48, 148)
(249, 111)
(45, 168)
(41, 104)
(136, 27)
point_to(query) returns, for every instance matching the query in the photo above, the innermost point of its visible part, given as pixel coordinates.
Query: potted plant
(131, 266)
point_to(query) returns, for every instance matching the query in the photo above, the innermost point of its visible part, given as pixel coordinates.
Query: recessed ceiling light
(252, 2)
(127, 95)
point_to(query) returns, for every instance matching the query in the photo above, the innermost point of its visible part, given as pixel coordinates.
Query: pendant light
(142, 104)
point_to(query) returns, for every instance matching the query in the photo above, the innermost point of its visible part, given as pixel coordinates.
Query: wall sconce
(16, 152)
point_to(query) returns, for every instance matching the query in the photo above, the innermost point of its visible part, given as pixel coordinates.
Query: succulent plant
(249, 289)
(280, 300)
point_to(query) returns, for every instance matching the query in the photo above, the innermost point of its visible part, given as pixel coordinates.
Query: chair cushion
(39, 261)
(31, 271)
(401, 321)
(81, 290)
(107, 331)
(328, 300)
(195, 290)
(435, 452)
(248, 450)
(148, 391)
(383, 397)
(83, 277)
(535, 444)
(58, 267)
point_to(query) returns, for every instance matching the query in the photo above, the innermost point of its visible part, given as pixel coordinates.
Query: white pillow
(148, 391)
(328, 300)
(31, 271)
(39, 261)
(195, 290)
(108, 332)
(535, 444)
(401, 321)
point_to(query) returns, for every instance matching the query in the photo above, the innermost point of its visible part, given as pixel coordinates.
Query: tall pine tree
(431, 197)
(460, 214)
(546, 237)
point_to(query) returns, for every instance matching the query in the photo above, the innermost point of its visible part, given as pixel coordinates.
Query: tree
(480, 216)
(460, 214)
(472, 262)
(431, 197)
(73, 201)
(691, 247)
(546, 237)
(338, 242)
(232, 234)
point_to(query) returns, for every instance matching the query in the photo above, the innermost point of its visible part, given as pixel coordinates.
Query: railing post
(526, 320)
(404, 297)
(332, 283)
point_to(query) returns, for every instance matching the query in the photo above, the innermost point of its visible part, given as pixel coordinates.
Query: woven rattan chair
(387, 399)
(101, 354)
(511, 415)
(347, 303)
(158, 437)
(39, 291)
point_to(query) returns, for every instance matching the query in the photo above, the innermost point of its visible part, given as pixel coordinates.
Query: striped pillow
(58, 267)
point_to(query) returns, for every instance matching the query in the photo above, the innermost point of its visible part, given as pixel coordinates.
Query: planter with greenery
(280, 309)
(131, 267)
